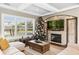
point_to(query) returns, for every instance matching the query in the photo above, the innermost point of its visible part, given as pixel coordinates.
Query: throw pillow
(4, 44)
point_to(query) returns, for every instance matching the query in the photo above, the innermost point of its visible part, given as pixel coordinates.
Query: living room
(42, 29)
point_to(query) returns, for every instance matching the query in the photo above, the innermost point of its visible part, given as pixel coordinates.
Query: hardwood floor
(54, 50)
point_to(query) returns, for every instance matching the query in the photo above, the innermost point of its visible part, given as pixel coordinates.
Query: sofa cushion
(18, 45)
(10, 51)
(4, 44)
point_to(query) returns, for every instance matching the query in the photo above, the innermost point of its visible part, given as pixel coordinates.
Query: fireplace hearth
(56, 38)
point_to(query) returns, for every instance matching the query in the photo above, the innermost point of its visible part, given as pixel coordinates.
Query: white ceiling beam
(68, 8)
(46, 6)
(23, 6)
(48, 13)
(65, 9)
(42, 5)
(28, 12)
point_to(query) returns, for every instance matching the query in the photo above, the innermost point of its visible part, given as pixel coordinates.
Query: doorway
(72, 31)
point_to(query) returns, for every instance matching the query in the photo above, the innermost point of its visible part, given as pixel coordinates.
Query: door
(72, 31)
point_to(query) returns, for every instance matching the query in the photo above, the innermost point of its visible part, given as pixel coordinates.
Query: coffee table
(40, 47)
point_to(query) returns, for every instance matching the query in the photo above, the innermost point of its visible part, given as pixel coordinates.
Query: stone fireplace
(56, 38)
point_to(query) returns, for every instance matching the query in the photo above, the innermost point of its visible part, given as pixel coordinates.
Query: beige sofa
(15, 48)
(72, 49)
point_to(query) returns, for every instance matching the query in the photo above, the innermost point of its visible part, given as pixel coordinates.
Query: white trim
(33, 26)
(15, 28)
(26, 28)
(2, 24)
(16, 16)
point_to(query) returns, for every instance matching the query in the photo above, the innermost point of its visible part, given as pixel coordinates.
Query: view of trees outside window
(9, 26)
(29, 28)
(17, 25)
(20, 26)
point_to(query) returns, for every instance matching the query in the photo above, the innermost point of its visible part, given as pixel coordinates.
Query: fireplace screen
(56, 38)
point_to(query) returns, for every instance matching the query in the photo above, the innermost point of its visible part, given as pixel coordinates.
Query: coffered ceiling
(39, 9)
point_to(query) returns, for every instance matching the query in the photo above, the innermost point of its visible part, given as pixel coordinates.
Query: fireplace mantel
(63, 37)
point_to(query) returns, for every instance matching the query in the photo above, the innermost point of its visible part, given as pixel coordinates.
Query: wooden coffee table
(40, 47)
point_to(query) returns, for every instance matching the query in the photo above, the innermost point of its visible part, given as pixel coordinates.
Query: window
(9, 26)
(17, 26)
(20, 26)
(29, 27)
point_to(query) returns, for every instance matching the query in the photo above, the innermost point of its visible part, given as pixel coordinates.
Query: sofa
(14, 48)
(72, 49)
(19, 45)
(11, 51)
(26, 40)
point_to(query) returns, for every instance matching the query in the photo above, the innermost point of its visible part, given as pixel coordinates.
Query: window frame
(2, 24)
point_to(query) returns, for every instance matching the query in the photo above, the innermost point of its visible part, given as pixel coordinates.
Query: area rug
(52, 51)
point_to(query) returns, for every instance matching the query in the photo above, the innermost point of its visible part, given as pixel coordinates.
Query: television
(55, 25)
